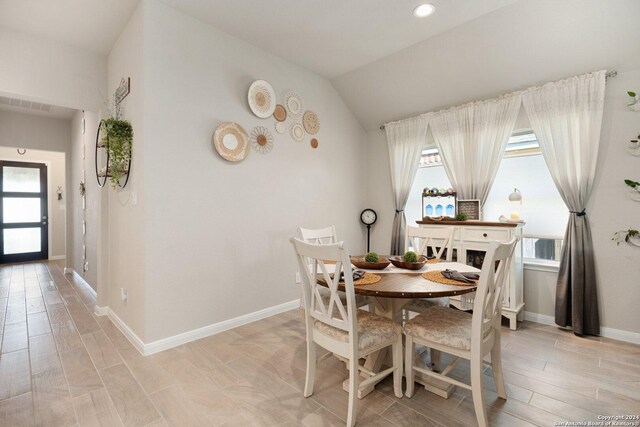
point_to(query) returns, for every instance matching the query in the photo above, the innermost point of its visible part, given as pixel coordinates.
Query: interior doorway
(24, 217)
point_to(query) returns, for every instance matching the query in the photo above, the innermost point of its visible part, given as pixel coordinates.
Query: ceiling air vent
(21, 103)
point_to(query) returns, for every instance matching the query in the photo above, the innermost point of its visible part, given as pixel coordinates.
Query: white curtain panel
(566, 117)
(471, 140)
(405, 141)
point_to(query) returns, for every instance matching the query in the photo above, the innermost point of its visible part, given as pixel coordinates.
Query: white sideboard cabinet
(471, 241)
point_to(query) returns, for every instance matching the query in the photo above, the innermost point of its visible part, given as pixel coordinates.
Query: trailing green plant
(372, 257)
(632, 184)
(461, 216)
(118, 140)
(410, 256)
(625, 235)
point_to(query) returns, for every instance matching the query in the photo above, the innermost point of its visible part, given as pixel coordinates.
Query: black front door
(24, 220)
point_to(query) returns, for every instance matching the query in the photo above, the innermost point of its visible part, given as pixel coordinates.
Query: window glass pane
(542, 207)
(536, 248)
(21, 240)
(26, 180)
(21, 209)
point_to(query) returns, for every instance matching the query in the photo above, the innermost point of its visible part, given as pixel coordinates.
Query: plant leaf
(632, 184)
(631, 94)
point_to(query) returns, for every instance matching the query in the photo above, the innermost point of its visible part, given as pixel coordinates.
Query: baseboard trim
(616, 334)
(196, 334)
(216, 328)
(80, 279)
(126, 331)
(57, 257)
(101, 311)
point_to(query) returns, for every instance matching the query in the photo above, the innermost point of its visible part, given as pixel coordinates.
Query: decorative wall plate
(280, 114)
(230, 141)
(262, 99)
(311, 122)
(293, 102)
(261, 139)
(314, 143)
(280, 127)
(297, 132)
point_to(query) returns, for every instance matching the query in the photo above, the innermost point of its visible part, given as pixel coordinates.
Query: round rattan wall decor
(230, 141)
(294, 104)
(280, 113)
(262, 99)
(311, 122)
(297, 132)
(280, 128)
(314, 143)
(261, 139)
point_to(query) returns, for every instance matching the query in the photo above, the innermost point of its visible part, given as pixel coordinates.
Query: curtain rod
(607, 76)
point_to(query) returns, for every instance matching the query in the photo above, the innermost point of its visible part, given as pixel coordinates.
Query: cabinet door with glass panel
(23, 212)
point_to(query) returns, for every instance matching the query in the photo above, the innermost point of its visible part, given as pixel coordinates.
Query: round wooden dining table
(395, 289)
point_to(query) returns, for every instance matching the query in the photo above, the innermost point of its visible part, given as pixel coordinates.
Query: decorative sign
(123, 90)
(471, 207)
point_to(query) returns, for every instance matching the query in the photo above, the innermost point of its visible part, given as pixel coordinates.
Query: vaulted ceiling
(329, 37)
(332, 37)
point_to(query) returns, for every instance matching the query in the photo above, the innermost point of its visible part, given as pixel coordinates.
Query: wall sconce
(515, 200)
(59, 192)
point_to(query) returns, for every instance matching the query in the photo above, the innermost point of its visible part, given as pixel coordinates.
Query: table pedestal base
(435, 386)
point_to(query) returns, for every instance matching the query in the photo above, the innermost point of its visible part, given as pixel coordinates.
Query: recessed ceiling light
(424, 10)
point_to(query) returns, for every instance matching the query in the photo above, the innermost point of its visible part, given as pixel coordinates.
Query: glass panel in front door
(21, 180)
(21, 209)
(22, 240)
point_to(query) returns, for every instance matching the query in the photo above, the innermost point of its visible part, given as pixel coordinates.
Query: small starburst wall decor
(261, 139)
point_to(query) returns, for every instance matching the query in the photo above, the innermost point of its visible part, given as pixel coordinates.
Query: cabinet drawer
(480, 234)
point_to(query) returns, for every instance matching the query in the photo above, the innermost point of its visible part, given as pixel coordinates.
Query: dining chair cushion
(372, 330)
(442, 325)
(419, 305)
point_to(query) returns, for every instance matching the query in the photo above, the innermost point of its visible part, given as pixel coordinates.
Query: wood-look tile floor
(60, 366)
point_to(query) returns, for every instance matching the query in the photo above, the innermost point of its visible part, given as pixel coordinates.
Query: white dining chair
(420, 240)
(464, 335)
(323, 236)
(341, 328)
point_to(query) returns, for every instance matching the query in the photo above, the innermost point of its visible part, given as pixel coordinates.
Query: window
(541, 248)
(522, 167)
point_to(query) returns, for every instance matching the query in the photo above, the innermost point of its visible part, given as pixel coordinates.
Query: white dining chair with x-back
(439, 241)
(339, 326)
(323, 236)
(464, 335)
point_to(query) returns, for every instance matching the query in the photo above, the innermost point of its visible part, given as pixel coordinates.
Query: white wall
(83, 170)
(217, 233)
(42, 70)
(46, 140)
(124, 236)
(55, 177)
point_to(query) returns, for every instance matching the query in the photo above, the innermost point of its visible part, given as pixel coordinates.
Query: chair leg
(354, 377)
(496, 367)
(397, 363)
(477, 392)
(435, 359)
(409, 349)
(311, 368)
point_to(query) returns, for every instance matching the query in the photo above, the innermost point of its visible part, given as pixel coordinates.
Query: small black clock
(368, 217)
